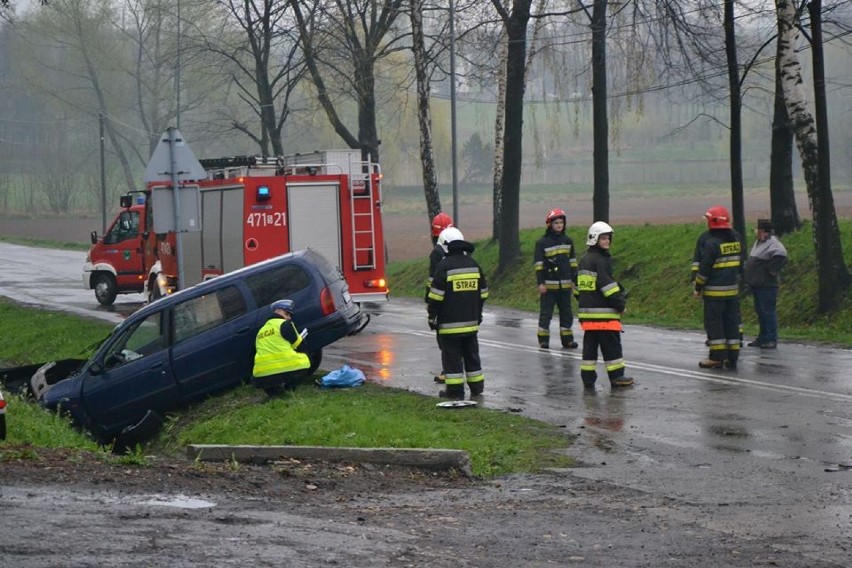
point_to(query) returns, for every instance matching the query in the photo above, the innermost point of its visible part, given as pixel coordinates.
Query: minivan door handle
(242, 331)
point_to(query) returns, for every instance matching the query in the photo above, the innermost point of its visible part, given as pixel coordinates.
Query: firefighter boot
(476, 388)
(452, 392)
(568, 340)
(710, 364)
(620, 382)
(543, 339)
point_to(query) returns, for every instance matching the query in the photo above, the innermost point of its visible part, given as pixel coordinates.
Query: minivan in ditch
(196, 342)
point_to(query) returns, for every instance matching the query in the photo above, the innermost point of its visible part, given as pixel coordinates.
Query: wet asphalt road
(766, 444)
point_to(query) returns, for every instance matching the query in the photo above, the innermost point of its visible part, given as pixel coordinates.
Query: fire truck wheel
(316, 359)
(105, 289)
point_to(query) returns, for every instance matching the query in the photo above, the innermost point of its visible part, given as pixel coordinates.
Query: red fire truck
(248, 210)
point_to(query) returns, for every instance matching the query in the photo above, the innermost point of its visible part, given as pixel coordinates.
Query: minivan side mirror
(94, 237)
(96, 368)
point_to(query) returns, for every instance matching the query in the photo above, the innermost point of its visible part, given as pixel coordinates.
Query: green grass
(31, 336)
(368, 416)
(45, 243)
(372, 416)
(653, 263)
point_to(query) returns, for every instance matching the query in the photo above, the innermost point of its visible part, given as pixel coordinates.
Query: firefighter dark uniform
(718, 281)
(696, 261)
(555, 264)
(440, 222)
(458, 293)
(601, 303)
(277, 364)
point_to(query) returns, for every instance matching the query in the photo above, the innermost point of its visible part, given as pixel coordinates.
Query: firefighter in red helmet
(440, 222)
(555, 262)
(717, 280)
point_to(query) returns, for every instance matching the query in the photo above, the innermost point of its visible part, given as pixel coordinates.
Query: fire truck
(248, 209)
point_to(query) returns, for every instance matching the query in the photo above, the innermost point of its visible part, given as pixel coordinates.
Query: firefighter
(440, 222)
(456, 298)
(696, 261)
(277, 363)
(555, 264)
(718, 281)
(601, 302)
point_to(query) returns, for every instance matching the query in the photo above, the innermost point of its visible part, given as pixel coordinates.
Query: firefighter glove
(433, 323)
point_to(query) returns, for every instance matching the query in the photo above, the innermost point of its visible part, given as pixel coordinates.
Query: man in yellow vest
(277, 364)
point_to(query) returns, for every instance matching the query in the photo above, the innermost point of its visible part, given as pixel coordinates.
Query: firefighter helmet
(286, 305)
(718, 218)
(597, 229)
(449, 235)
(440, 222)
(554, 215)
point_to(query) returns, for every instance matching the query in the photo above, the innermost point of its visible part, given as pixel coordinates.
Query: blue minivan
(198, 341)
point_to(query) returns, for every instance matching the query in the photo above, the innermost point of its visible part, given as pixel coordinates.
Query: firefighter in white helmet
(601, 304)
(456, 298)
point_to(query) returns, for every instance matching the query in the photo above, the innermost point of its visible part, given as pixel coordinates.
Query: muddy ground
(67, 509)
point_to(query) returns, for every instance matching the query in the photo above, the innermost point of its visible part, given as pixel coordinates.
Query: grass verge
(371, 416)
(653, 263)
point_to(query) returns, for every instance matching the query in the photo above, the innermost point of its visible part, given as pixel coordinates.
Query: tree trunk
(600, 121)
(516, 27)
(833, 277)
(424, 112)
(736, 143)
(782, 198)
(498, 138)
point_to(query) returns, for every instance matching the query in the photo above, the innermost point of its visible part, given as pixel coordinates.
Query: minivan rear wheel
(316, 360)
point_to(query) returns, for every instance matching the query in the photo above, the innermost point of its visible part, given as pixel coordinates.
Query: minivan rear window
(277, 284)
(329, 272)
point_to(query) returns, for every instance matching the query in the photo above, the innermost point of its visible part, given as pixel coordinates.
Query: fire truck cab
(250, 209)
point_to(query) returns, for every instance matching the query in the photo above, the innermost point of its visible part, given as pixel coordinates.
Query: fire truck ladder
(361, 188)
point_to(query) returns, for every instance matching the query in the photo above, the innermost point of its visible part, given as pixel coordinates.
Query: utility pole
(453, 114)
(101, 119)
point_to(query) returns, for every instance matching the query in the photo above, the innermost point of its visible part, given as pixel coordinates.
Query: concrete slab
(428, 459)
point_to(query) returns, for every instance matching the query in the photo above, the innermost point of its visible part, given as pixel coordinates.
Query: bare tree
(782, 199)
(342, 42)
(77, 46)
(264, 61)
(833, 274)
(424, 110)
(515, 21)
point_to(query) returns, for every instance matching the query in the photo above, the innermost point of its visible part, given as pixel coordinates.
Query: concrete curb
(431, 459)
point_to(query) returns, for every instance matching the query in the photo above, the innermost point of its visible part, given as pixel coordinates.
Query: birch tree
(833, 276)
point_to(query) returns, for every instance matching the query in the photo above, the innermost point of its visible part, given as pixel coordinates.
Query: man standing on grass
(762, 269)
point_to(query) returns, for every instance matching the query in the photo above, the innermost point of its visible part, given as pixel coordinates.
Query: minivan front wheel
(105, 289)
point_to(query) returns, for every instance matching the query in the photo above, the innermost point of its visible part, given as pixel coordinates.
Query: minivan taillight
(327, 301)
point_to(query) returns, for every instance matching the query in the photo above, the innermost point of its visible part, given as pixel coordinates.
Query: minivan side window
(200, 314)
(277, 284)
(145, 338)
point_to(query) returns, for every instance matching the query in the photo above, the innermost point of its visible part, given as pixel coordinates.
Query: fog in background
(61, 65)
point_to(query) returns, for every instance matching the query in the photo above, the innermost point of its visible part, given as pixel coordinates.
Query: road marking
(673, 371)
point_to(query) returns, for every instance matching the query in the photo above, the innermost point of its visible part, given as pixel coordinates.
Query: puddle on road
(180, 502)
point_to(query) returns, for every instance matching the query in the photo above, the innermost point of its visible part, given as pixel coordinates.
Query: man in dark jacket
(718, 281)
(762, 269)
(555, 270)
(456, 298)
(601, 303)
